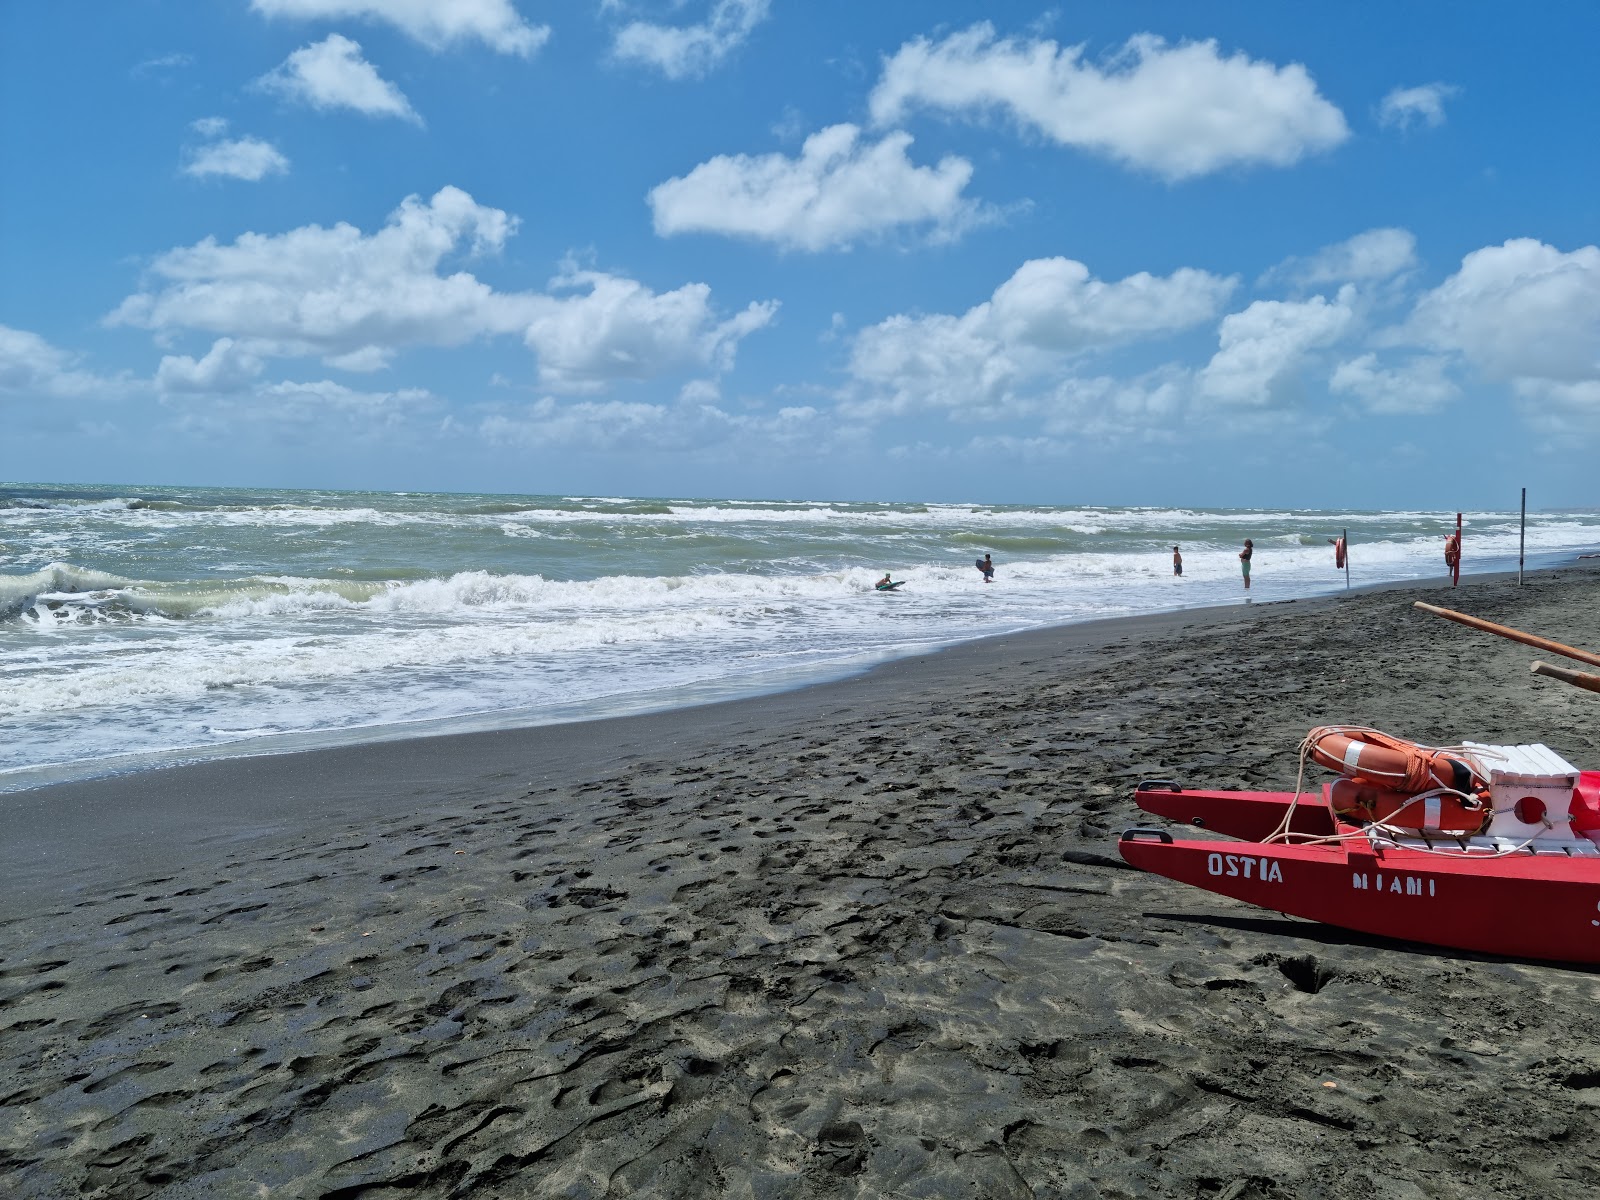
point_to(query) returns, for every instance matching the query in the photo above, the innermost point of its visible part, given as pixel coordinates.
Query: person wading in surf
(1244, 561)
(985, 567)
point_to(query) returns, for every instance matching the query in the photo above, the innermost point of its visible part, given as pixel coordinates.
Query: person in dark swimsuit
(1177, 562)
(985, 566)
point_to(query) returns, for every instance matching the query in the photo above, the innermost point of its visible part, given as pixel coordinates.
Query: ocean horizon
(144, 626)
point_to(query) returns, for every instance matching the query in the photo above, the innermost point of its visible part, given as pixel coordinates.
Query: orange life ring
(1386, 762)
(1357, 800)
(1338, 553)
(1452, 549)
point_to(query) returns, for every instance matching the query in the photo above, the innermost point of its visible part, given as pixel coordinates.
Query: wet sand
(868, 938)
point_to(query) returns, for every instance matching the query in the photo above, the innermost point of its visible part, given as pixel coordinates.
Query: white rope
(1309, 744)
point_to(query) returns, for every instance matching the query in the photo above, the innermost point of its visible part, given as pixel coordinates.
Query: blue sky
(1249, 254)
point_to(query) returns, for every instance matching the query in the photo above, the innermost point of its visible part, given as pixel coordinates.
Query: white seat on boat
(1527, 781)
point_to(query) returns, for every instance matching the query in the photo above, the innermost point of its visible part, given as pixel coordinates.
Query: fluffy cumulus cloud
(610, 328)
(434, 23)
(980, 363)
(840, 189)
(31, 369)
(1178, 111)
(331, 74)
(226, 367)
(1418, 385)
(244, 158)
(1375, 255)
(1405, 107)
(1262, 349)
(1527, 315)
(336, 293)
(691, 51)
(355, 299)
(1522, 311)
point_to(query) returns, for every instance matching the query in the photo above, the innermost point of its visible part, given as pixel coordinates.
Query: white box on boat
(1533, 772)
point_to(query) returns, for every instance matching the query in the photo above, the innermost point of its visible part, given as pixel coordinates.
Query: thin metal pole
(1522, 541)
(1347, 560)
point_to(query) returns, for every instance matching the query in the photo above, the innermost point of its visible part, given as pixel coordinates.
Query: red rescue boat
(1493, 849)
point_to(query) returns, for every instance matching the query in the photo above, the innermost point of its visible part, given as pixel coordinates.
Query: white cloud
(1417, 386)
(310, 401)
(837, 191)
(1146, 407)
(161, 65)
(433, 23)
(332, 74)
(226, 367)
(1560, 408)
(1263, 348)
(1179, 111)
(615, 328)
(1049, 310)
(354, 300)
(615, 425)
(298, 413)
(210, 127)
(32, 369)
(243, 158)
(1377, 254)
(336, 292)
(1404, 107)
(1519, 311)
(691, 51)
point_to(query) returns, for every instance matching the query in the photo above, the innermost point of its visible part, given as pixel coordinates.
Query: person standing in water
(1244, 561)
(985, 567)
(1177, 562)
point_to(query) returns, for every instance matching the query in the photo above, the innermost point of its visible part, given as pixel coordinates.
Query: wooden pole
(1522, 540)
(1582, 679)
(1516, 635)
(1347, 560)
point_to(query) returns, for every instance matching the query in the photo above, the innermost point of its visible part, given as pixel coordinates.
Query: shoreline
(62, 831)
(866, 937)
(733, 689)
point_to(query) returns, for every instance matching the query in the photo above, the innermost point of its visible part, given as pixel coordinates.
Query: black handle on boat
(1134, 835)
(1157, 785)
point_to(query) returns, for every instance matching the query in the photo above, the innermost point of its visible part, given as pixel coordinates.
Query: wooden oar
(1582, 679)
(1516, 635)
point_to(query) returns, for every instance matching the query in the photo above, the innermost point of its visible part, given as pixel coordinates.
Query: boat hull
(1249, 816)
(1539, 906)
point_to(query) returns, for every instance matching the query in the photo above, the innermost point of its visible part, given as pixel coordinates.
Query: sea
(142, 626)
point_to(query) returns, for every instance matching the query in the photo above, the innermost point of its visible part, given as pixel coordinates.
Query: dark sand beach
(870, 938)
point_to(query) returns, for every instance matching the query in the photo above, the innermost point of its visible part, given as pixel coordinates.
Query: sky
(1113, 252)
